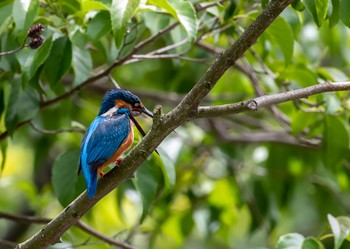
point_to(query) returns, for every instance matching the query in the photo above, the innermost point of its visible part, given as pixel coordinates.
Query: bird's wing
(104, 137)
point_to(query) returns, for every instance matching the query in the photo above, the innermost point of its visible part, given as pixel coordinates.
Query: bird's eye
(137, 104)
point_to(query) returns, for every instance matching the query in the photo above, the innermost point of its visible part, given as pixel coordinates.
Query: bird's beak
(147, 112)
(138, 111)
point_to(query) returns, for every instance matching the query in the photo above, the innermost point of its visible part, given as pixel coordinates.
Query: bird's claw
(100, 173)
(118, 161)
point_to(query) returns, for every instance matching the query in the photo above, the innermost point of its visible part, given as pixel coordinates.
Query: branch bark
(269, 100)
(84, 227)
(163, 125)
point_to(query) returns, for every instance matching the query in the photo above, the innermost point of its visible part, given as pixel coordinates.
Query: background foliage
(277, 177)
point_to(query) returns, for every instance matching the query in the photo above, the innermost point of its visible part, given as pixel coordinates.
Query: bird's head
(119, 98)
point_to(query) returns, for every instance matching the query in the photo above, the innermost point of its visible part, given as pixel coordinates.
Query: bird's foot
(118, 161)
(100, 173)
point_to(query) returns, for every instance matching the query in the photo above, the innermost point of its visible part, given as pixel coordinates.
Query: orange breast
(123, 147)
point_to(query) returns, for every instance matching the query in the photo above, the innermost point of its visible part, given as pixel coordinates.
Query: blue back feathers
(102, 139)
(113, 95)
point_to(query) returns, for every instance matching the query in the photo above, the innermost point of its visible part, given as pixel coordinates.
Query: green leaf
(344, 12)
(312, 243)
(340, 227)
(302, 120)
(290, 241)
(31, 60)
(298, 5)
(22, 105)
(5, 15)
(70, 6)
(335, 141)
(146, 181)
(3, 148)
(282, 33)
(187, 223)
(183, 11)
(318, 9)
(24, 12)
(264, 3)
(99, 25)
(335, 16)
(64, 176)
(300, 74)
(82, 64)
(121, 14)
(332, 103)
(168, 168)
(61, 54)
(332, 74)
(88, 5)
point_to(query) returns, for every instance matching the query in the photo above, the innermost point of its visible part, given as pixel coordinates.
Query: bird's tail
(90, 179)
(91, 184)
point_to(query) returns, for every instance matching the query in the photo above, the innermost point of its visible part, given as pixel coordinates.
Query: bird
(109, 135)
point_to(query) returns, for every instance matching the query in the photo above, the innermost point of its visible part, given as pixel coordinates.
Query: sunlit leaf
(312, 243)
(318, 9)
(183, 11)
(290, 241)
(24, 12)
(121, 14)
(64, 176)
(89, 5)
(341, 229)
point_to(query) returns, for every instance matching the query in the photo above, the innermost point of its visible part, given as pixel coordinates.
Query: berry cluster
(34, 33)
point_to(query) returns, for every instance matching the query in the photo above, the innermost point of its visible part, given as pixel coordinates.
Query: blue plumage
(101, 141)
(117, 94)
(109, 135)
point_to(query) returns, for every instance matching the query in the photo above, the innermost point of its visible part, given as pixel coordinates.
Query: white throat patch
(110, 112)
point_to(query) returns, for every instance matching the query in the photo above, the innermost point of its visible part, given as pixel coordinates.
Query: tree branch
(163, 125)
(269, 100)
(39, 220)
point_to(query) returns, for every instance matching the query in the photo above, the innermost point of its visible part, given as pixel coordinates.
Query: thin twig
(281, 137)
(7, 244)
(43, 131)
(137, 57)
(13, 51)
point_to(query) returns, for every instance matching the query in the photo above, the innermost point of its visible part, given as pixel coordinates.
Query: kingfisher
(109, 135)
